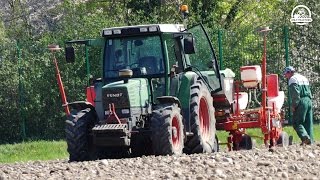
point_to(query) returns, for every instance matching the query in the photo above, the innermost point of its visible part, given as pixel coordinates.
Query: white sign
(301, 15)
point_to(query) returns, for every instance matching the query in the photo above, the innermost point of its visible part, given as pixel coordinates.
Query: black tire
(78, 135)
(202, 120)
(167, 130)
(283, 140)
(246, 142)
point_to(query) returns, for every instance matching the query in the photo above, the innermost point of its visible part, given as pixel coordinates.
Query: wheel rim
(175, 132)
(204, 118)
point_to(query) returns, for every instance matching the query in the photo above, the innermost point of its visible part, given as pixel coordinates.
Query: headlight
(117, 31)
(153, 29)
(143, 29)
(125, 111)
(107, 32)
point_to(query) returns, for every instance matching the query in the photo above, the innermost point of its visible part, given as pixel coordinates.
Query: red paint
(91, 95)
(204, 118)
(61, 88)
(176, 130)
(248, 68)
(272, 85)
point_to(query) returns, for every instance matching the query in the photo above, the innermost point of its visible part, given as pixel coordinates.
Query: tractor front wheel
(167, 130)
(79, 139)
(202, 120)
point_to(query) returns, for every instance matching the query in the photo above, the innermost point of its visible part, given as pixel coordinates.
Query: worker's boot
(305, 141)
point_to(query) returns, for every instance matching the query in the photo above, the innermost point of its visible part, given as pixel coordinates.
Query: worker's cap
(288, 69)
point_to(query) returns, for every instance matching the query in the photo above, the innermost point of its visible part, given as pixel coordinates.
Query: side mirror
(70, 56)
(189, 45)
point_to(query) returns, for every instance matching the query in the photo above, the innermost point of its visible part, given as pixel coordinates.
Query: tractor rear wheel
(167, 130)
(202, 120)
(78, 135)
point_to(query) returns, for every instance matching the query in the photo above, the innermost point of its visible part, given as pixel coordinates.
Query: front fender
(169, 99)
(80, 105)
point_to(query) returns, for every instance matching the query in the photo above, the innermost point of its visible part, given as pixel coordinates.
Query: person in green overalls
(301, 104)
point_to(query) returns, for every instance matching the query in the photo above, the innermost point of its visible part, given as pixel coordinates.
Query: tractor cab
(153, 52)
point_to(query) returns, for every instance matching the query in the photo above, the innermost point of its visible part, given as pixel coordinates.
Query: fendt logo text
(114, 95)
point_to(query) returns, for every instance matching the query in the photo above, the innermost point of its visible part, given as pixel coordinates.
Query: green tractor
(155, 96)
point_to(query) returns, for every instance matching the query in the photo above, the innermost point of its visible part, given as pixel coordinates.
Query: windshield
(143, 55)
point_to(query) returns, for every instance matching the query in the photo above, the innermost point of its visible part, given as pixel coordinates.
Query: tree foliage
(29, 93)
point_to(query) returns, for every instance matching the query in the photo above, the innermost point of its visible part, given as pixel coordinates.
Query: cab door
(204, 58)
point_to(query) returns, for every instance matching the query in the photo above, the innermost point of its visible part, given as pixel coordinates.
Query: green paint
(138, 91)
(184, 89)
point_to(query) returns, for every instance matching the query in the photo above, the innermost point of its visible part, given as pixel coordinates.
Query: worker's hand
(293, 109)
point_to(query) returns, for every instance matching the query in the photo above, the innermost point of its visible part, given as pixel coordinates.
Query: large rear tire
(202, 120)
(78, 135)
(167, 130)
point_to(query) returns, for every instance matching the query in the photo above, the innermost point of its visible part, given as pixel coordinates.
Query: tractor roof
(143, 29)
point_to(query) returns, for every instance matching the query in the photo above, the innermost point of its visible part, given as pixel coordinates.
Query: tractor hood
(128, 97)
